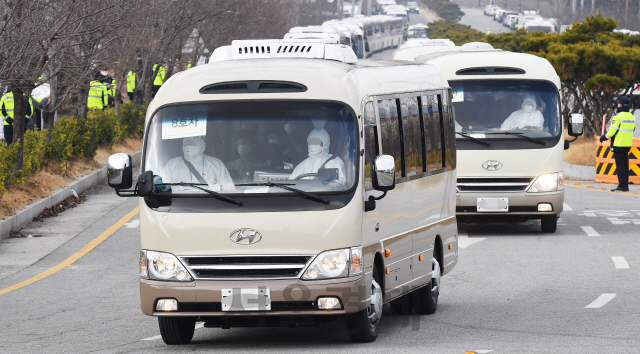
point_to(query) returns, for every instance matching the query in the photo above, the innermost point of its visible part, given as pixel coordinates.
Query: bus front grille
(480, 184)
(246, 267)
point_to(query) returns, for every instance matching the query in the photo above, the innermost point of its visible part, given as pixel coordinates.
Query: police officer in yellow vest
(621, 134)
(98, 96)
(158, 81)
(111, 91)
(7, 106)
(131, 84)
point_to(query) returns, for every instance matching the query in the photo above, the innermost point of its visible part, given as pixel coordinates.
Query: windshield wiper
(315, 197)
(521, 135)
(473, 139)
(197, 186)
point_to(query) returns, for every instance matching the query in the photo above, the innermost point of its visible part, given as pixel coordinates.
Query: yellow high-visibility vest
(622, 126)
(97, 95)
(159, 80)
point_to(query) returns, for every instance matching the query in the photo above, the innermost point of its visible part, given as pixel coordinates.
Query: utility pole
(297, 12)
(573, 8)
(626, 14)
(369, 5)
(341, 9)
(593, 8)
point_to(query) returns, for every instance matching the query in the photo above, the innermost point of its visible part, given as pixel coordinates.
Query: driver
(527, 117)
(319, 157)
(210, 170)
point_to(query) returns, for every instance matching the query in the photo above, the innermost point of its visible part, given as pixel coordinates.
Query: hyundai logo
(246, 236)
(492, 165)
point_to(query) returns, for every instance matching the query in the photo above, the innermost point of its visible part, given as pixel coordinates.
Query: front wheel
(362, 327)
(549, 223)
(177, 330)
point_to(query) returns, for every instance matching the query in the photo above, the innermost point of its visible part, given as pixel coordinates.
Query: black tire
(425, 299)
(359, 326)
(176, 330)
(549, 223)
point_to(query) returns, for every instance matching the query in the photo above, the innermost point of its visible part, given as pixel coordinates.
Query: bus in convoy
(271, 195)
(509, 131)
(414, 48)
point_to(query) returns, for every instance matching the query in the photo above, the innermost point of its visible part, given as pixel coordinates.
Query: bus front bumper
(289, 297)
(520, 203)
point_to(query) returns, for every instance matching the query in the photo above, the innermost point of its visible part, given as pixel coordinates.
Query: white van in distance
(286, 183)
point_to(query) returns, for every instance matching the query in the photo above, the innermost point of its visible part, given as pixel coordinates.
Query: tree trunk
(19, 111)
(81, 105)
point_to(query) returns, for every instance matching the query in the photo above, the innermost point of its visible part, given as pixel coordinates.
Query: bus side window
(431, 116)
(371, 149)
(390, 126)
(449, 132)
(412, 135)
(439, 117)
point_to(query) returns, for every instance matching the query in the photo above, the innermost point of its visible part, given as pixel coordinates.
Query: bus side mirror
(120, 171)
(575, 125)
(384, 173)
(383, 179)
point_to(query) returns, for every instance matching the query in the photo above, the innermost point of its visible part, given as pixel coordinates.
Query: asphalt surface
(514, 289)
(478, 21)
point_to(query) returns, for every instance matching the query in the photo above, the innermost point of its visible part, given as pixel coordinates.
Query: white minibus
(287, 183)
(509, 131)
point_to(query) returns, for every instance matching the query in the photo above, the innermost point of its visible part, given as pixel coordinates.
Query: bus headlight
(547, 183)
(335, 264)
(163, 266)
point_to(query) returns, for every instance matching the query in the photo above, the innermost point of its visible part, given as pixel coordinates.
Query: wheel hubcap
(375, 309)
(435, 276)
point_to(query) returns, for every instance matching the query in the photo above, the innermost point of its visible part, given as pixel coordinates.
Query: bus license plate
(493, 205)
(246, 299)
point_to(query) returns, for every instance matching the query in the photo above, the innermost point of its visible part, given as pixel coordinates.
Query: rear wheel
(549, 223)
(425, 299)
(177, 330)
(363, 326)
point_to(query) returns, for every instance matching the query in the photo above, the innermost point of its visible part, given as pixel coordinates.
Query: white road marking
(566, 206)
(133, 224)
(588, 213)
(483, 351)
(620, 262)
(464, 241)
(601, 301)
(590, 231)
(199, 325)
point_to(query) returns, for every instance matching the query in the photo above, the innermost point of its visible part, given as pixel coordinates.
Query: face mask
(243, 150)
(189, 147)
(314, 150)
(528, 109)
(274, 141)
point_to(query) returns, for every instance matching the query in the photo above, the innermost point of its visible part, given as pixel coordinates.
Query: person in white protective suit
(526, 118)
(211, 170)
(318, 143)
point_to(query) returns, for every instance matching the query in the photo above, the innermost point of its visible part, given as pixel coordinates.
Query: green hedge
(71, 137)
(447, 10)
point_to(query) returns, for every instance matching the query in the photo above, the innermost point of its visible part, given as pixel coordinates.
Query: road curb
(81, 184)
(579, 172)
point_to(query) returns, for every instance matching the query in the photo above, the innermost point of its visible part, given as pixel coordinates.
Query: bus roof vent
(491, 70)
(285, 48)
(478, 47)
(253, 86)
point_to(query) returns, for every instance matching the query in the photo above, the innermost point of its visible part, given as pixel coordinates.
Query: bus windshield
(248, 146)
(526, 106)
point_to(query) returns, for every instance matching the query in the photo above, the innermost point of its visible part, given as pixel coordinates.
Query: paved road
(478, 21)
(514, 289)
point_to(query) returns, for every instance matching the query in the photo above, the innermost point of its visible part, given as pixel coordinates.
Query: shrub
(107, 131)
(34, 148)
(85, 143)
(60, 148)
(7, 162)
(131, 120)
(447, 10)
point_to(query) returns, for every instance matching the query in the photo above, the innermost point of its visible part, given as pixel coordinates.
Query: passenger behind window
(295, 150)
(242, 169)
(320, 161)
(196, 167)
(526, 118)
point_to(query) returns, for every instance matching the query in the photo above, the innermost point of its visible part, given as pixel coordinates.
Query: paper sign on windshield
(458, 93)
(182, 124)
